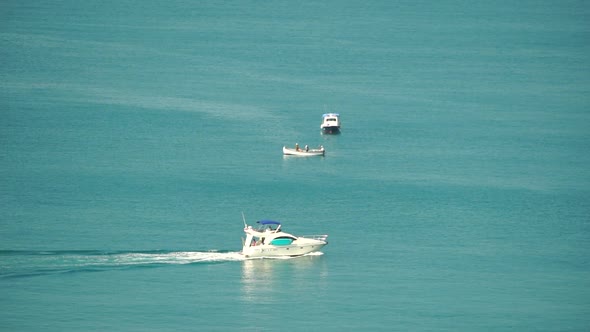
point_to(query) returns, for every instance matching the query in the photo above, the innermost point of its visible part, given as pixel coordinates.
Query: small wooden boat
(306, 151)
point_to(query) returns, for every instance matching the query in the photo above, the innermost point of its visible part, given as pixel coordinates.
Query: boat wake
(16, 264)
(19, 264)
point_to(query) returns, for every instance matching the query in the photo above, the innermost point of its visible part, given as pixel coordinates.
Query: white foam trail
(182, 257)
(16, 264)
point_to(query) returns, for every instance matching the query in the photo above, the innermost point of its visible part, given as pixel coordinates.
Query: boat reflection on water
(261, 277)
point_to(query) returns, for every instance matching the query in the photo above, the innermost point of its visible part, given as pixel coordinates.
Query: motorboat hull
(331, 130)
(278, 251)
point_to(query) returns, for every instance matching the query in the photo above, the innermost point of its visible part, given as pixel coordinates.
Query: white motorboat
(305, 151)
(330, 123)
(269, 240)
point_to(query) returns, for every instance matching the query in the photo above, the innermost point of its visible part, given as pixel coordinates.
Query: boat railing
(322, 237)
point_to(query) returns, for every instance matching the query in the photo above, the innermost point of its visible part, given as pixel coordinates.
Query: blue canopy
(330, 114)
(268, 222)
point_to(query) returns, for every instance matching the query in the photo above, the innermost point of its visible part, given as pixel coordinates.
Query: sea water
(133, 135)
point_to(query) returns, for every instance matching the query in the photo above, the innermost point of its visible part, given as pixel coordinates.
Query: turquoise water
(134, 134)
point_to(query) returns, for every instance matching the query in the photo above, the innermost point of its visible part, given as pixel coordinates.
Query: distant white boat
(269, 240)
(330, 123)
(305, 151)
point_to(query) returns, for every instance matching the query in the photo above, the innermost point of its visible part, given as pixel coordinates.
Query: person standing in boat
(296, 146)
(306, 148)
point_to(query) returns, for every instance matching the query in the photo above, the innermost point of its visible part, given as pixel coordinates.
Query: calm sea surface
(133, 135)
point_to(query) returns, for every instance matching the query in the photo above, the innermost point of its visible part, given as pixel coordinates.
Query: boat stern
(330, 123)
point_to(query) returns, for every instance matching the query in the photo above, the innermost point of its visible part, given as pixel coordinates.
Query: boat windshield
(271, 225)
